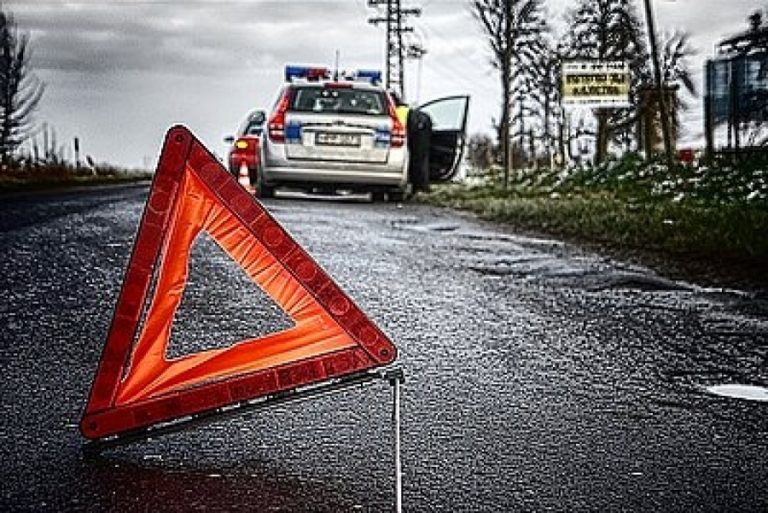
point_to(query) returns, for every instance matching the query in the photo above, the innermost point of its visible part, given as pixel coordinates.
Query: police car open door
(449, 134)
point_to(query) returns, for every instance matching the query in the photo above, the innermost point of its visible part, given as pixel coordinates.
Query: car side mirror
(229, 139)
(259, 117)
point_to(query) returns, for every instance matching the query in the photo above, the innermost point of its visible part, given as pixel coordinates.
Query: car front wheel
(264, 191)
(257, 180)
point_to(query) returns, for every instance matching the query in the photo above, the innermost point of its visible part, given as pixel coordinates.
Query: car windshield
(342, 100)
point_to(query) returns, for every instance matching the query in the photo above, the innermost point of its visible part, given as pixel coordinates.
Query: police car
(325, 135)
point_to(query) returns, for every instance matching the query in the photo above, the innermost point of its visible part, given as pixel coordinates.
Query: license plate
(333, 139)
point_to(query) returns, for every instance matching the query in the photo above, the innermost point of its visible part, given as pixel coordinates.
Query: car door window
(446, 148)
(447, 113)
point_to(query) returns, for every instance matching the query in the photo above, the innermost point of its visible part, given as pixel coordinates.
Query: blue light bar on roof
(369, 75)
(306, 72)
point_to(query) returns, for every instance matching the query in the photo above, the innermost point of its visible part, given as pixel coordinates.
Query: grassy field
(715, 216)
(17, 178)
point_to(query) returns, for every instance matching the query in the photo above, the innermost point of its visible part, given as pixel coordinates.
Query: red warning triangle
(137, 386)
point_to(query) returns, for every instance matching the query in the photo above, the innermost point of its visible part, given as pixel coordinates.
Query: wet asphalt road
(540, 377)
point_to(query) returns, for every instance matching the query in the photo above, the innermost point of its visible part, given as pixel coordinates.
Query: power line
(395, 16)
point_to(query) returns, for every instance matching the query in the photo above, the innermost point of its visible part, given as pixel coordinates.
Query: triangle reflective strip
(137, 386)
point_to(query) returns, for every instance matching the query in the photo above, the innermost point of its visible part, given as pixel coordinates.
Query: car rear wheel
(396, 196)
(257, 180)
(265, 191)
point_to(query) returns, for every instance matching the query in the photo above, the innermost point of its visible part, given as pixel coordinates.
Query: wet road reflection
(539, 376)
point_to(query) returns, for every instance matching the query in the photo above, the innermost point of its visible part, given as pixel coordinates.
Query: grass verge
(724, 231)
(692, 229)
(55, 176)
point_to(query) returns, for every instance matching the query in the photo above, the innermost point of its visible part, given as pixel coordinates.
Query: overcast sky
(120, 72)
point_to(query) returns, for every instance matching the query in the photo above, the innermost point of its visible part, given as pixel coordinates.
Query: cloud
(200, 38)
(142, 64)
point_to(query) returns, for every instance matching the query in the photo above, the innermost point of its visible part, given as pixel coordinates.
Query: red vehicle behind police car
(246, 145)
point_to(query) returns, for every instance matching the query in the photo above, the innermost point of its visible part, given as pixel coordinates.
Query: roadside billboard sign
(596, 84)
(738, 87)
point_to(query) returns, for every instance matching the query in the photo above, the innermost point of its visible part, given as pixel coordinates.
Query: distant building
(737, 91)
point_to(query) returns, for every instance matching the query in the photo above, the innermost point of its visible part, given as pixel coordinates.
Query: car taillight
(276, 126)
(398, 130)
(241, 144)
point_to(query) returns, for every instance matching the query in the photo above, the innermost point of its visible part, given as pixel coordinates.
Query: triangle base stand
(394, 376)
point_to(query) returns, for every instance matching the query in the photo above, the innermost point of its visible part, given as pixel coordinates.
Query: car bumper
(278, 175)
(278, 170)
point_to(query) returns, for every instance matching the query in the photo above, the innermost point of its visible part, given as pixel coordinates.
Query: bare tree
(675, 64)
(537, 113)
(511, 28)
(550, 107)
(529, 69)
(676, 69)
(20, 90)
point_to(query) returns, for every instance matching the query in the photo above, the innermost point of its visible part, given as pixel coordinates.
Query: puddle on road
(574, 271)
(614, 280)
(412, 224)
(466, 231)
(501, 255)
(443, 227)
(745, 392)
(537, 264)
(516, 239)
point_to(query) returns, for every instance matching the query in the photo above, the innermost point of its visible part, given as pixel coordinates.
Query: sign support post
(396, 379)
(663, 107)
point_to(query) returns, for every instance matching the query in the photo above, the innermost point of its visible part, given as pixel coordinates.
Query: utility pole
(416, 51)
(394, 16)
(506, 72)
(77, 152)
(663, 107)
